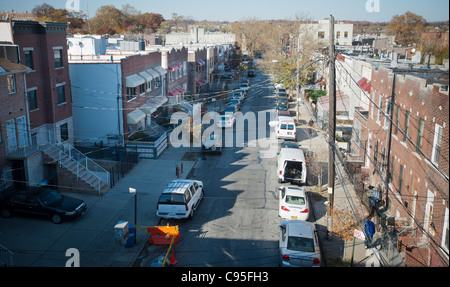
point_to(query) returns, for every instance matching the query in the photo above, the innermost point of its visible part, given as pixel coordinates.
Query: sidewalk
(149, 178)
(337, 252)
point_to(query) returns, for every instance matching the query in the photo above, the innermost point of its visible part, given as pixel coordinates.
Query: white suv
(180, 198)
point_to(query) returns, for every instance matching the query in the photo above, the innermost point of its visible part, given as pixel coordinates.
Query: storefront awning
(134, 81)
(135, 117)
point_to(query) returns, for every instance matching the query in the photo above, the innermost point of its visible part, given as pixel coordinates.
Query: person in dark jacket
(369, 230)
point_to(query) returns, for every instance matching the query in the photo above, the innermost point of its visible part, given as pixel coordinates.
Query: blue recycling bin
(129, 242)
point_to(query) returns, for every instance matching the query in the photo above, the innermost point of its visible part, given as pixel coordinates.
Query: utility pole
(332, 126)
(388, 154)
(297, 83)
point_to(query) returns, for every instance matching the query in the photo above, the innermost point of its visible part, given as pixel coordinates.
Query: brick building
(43, 48)
(174, 60)
(14, 131)
(197, 81)
(417, 166)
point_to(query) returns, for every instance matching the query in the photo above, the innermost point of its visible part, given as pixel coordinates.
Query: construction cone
(172, 259)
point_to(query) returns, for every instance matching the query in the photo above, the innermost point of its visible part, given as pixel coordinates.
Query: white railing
(6, 256)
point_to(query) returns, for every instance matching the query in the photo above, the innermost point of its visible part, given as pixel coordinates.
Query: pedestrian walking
(369, 230)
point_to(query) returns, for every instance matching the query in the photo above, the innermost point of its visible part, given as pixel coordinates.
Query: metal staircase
(78, 164)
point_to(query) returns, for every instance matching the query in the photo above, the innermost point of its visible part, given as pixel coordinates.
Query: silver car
(299, 245)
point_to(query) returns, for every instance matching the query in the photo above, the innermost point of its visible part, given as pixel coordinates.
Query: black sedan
(42, 202)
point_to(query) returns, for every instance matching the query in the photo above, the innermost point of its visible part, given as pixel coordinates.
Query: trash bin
(131, 236)
(121, 231)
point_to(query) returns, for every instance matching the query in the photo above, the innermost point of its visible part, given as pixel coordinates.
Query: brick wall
(134, 65)
(42, 38)
(424, 189)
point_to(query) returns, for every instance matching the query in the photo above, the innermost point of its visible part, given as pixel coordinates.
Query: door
(22, 131)
(428, 212)
(11, 137)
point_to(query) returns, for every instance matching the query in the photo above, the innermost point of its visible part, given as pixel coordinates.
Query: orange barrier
(162, 235)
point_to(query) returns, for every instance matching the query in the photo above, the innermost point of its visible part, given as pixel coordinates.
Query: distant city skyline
(236, 10)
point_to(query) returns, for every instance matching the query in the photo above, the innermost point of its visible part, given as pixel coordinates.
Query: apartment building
(14, 122)
(415, 164)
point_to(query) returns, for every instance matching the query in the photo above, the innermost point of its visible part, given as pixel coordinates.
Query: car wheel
(6, 213)
(56, 218)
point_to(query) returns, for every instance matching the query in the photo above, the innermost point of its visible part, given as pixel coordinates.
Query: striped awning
(175, 67)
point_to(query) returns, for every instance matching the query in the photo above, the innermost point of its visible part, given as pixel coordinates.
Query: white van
(179, 199)
(291, 166)
(285, 129)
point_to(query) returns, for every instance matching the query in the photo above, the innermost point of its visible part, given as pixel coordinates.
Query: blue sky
(235, 10)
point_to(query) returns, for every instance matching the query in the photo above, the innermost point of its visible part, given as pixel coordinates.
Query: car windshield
(292, 199)
(171, 198)
(282, 108)
(300, 244)
(289, 145)
(49, 197)
(290, 127)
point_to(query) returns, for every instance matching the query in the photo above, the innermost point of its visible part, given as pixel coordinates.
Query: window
(419, 135)
(61, 94)
(170, 76)
(400, 180)
(444, 242)
(391, 176)
(29, 59)
(321, 35)
(388, 114)
(58, 58)
(380, 108)
(338, 35)
(375, 155)
(32, 100)
(131, 93)
(405, 135)
(382, 161)
(345, 34)
(142, 88)
(437, 144)
(64, 129)
(11, 79)
(397, 116)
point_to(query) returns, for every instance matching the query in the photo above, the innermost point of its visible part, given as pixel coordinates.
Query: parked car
(212, 144)
(280, 90)
(226, 121)
(235, 102)
(283, 114)
(231, 109)
(282, 108)
(244, 86)
(42, 202)
(251, 73)
(293, 203)
(180, 199)
(282, 101)
(299, 244)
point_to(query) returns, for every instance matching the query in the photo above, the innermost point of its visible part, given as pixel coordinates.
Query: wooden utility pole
(388, 154)
(332, 125)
